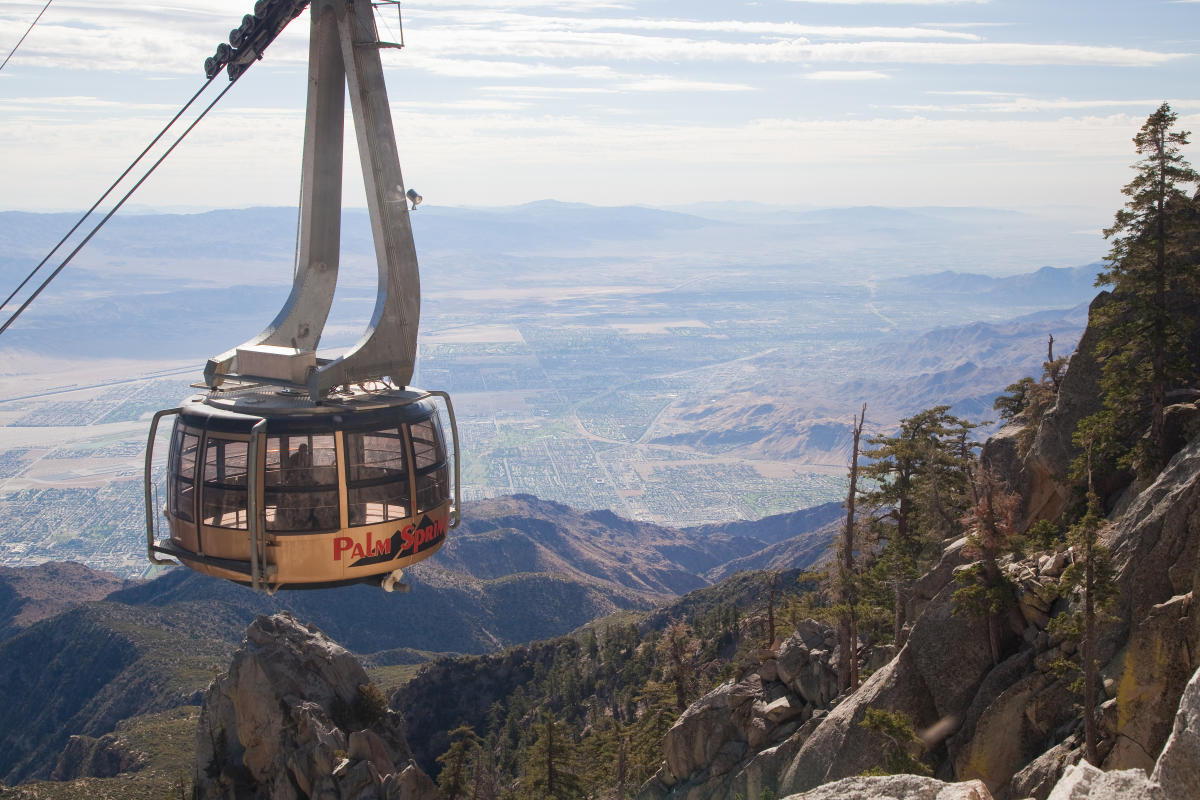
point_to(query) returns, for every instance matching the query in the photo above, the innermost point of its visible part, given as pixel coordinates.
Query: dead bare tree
(847, 594)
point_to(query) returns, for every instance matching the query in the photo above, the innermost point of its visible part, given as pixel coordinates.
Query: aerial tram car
(292, 470)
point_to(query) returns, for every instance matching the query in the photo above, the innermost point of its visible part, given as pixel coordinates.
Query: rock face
(1155, 544)
(1176, 775)
(1085, 782)
(1178, 768)
(1034, 474)
(85, 756)
(297, 717)
(730, 741)
(932, 681)
(1013, 725)
(896, 787)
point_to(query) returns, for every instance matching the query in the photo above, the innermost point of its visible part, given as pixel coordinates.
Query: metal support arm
(343, 51)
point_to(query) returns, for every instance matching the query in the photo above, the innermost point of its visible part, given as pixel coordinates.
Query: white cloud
(895, 2)
(975, 24)
(558, 25)
(123, 35)
(479, 68)
(973, 93)
(557, 98)
(1029, 104)
(558, 5)
(616, 47)
(76, 104)
(846, 75)
(668, 84)
(404, 106)
(547, 91)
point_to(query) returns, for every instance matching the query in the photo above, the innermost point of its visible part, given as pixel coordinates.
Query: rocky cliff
(727, 742)
(1013, 725)
(297, 717)
(1176, 776)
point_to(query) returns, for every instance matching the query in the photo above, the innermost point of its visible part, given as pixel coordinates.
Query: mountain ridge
(154, 645)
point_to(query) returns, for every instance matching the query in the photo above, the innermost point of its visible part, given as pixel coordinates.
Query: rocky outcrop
(1013, 725)
(1175, 777)
(932, 681)
(1036, 472)
(729, 741)
(1150, 650)
(1084, 782)
(1178, 768)
(297, 717)
(896, 787)
(1038, 778)
(88, 757)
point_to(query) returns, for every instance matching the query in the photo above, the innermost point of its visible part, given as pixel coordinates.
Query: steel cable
(27, 30)
(107, 192)
(116, 207)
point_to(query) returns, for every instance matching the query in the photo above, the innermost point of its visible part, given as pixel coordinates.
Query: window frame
(398, 432)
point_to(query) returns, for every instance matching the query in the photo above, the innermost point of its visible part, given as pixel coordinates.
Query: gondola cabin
(298, 471)
(272, 490)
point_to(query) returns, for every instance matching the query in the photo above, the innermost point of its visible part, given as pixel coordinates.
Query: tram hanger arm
(341, 61)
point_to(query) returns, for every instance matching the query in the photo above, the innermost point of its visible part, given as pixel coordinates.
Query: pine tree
(452, 781)
(645, 743)
(603, 760)
(550, 769)
(920, 491)
(677, 650)
(991, 533)
(1019, 397)
(1028, 400)
(902, 749)
(1091, 573)
(1152, 267)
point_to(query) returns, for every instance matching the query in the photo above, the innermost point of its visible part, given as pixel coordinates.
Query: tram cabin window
(376, 476)
(181, 474)
(223, 495)
(431, 465)
(301, 483)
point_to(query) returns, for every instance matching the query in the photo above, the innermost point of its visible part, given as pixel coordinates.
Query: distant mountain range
(1064, 285)
(997, 239)
(142, 269)
(961, 366)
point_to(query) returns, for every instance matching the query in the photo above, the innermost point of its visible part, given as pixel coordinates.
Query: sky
(1027, 104)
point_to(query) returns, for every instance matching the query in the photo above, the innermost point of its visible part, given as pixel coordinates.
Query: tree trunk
(771, 609)
(899, 597)
(550, 782)
(1089, 653)
(621, 768)
(989, 545)
(1158, 387)
(847, 596)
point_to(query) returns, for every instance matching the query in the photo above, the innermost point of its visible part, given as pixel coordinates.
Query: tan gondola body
(347, 491)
